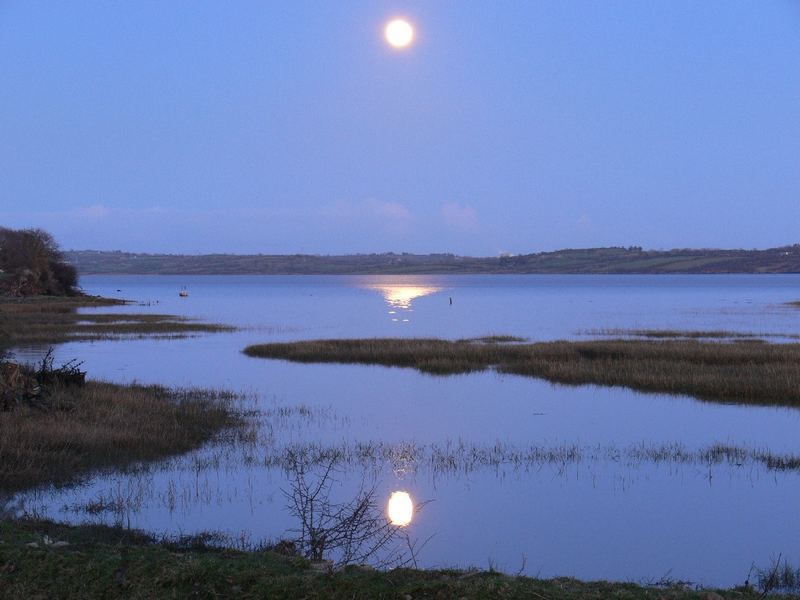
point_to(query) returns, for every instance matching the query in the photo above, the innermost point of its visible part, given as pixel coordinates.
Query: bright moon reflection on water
(401, 296)
(400, 508)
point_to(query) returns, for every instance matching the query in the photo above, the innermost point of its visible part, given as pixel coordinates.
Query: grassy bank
(101, 425)
(715, 371)
(55, 561)
(55, 319)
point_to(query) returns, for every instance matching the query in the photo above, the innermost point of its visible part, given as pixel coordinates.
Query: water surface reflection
(515, 466)
(400, 508)
(400, 296)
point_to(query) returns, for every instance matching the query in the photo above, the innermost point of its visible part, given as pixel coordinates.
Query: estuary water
(517, 473)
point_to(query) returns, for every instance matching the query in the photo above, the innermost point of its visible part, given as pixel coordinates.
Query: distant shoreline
(595, 261)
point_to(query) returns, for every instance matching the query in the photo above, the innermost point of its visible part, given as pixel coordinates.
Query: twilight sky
(510, 125)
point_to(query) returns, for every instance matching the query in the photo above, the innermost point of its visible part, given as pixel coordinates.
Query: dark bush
(32, 264)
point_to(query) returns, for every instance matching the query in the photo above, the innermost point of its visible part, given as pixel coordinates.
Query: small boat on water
(184, 293)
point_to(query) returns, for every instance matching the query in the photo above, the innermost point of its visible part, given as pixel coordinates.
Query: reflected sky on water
(597, 517)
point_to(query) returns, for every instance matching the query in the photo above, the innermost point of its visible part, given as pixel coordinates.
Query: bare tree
(354, 531)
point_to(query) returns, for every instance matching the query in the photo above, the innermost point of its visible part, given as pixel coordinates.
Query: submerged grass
(42, 559)
(101, 425)
(767, 374)
(55, 319)
(460, 457)
(199, 480)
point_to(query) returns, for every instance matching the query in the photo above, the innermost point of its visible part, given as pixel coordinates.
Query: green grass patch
(46, 560)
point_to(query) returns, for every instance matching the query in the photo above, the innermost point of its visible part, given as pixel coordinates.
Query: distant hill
(591, 260)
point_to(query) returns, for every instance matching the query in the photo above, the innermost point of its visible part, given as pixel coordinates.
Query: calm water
(596, 509)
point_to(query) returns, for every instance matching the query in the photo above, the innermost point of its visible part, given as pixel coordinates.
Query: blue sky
(513, 126)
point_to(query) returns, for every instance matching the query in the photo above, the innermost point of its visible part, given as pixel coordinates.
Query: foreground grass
(761, 373)
(55, 319)
(102, 562)
(101, 425)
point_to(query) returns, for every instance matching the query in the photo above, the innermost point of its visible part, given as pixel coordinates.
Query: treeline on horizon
(31, 264)
(620, 260)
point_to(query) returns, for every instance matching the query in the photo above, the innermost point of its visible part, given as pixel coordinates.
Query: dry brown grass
(710, 334)
(495, 339)
(54, 319)
(101, 425)
(714, 371)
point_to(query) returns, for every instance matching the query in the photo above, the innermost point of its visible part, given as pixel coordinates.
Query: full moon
(399, 33)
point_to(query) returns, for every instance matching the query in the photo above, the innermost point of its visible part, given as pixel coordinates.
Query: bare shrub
(780, 577)
(353, 531)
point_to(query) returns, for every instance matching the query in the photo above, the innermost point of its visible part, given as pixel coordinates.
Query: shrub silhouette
(31, 263)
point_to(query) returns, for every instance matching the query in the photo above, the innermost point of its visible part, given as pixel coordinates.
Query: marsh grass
(712, 334)
(460, 457)
(101, 425)
(495, 339)
(54, 319)
(780, 577)
(767, 374)
(196, 480)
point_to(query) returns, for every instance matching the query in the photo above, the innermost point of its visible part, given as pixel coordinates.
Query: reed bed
(495, 339)
(49, 319)
(765, 374)
(101, 425)
(709, 334)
